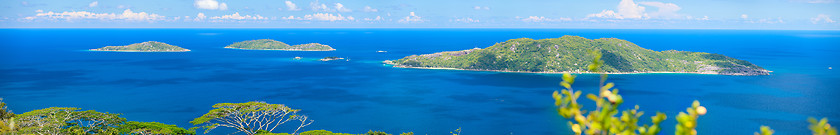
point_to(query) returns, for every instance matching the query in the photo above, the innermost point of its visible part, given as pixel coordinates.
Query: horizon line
(400, 28)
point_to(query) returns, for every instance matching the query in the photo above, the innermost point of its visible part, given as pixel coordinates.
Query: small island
(331, 58)
(148, 46)
(269, 44)
(569, 54)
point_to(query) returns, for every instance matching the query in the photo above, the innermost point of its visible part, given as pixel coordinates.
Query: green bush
(603, 119)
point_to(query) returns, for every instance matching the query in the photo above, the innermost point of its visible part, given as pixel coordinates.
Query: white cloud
(93, 4)
(378, 18)
(704, 18)
(544, 19)
(291, 17)
(236, 16)
(324, 17)
(321, 17)
(481, 8)
(291, 6)
(746, 19)
(122, 6)
(200, 17)
(822, 18)
(466, 20)
(127, 15)
(666, 10)
(39, 11)
(223, 6)
(815, 1)
(340, 7)
(369, 9)
(627, 9)
(411, 18)
(318, 7)
(771, 20)
(210, 4)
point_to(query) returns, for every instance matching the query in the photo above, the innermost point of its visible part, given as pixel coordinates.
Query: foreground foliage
(251, 117)
(602, 120)
(153, 128)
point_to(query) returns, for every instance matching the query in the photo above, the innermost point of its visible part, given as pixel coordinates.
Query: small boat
(380, 51)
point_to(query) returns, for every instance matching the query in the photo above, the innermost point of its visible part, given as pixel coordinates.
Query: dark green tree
(7, 124)
(153, 128)
(68, 120)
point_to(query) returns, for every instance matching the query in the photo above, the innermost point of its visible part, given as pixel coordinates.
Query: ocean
(42, 68)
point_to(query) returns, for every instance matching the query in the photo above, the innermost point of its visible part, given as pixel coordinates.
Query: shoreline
(529, 72)
(97, 50)
(280, 49)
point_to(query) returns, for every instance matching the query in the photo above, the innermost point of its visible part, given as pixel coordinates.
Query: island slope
(148, 46)
(570, 54)
(268, 44)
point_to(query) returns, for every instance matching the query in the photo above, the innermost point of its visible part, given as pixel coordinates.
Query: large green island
(268, 44)
(148, 46)
(571, 54)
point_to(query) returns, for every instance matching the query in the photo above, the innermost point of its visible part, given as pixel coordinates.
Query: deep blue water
(42, 68)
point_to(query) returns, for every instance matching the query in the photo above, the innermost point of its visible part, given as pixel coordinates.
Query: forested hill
(268, 44)
(148, 46)
(571, 54)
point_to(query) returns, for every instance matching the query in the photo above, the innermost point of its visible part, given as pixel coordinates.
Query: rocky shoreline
(742, 72)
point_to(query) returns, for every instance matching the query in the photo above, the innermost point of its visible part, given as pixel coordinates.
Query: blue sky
(597, 14)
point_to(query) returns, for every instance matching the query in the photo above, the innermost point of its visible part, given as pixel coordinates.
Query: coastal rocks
(331, 58)
(744, 71)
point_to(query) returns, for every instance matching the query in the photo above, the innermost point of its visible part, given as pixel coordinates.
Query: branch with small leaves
(250, 118)
(602, 120)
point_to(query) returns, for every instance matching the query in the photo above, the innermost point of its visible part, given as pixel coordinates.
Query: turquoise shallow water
(49, 67)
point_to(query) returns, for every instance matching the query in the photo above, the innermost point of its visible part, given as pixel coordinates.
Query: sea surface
(42, 68)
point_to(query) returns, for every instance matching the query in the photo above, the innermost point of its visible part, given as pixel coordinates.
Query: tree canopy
(250, 117)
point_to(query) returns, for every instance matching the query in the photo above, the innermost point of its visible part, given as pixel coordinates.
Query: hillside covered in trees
(569, 54)
(148, 46)
(268, 44)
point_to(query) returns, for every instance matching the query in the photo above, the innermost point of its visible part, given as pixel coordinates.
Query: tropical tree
(7, 122)
(153, 128)
(67, 120)
(251, 117)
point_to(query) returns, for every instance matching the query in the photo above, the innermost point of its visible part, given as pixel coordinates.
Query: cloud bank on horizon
(606, 14)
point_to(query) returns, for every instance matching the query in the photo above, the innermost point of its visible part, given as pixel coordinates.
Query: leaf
(607, 87)
(568, 78)
(592, 96)
(566, 84)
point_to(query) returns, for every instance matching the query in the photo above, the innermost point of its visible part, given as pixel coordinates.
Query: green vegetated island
(268, 44)
(569, 54)
(148, 46)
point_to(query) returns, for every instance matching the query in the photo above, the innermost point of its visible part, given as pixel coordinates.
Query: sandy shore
(185, 50)
(278, 49)
(442, 68)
